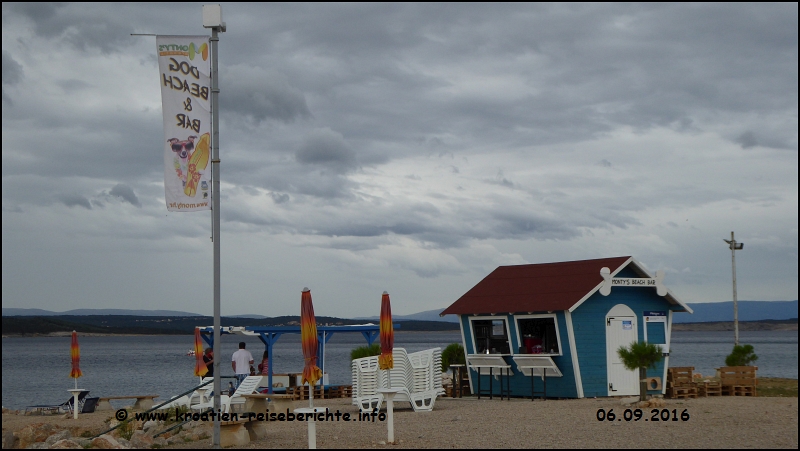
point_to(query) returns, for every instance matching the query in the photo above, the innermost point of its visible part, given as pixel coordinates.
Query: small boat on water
(190, 352)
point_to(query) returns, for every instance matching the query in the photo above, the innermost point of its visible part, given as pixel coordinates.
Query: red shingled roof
(535, 288)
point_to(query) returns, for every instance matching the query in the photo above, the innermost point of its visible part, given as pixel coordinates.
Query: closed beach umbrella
(386, 361)
(309, 340)
(311, 372)
(75, 352)
(200, 368)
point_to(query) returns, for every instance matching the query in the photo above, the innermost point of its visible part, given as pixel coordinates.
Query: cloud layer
(412, 148)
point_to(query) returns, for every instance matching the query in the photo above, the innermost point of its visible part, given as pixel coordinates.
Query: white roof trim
(670, 296)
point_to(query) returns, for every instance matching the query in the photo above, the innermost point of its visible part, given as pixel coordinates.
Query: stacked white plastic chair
(366, 383)
(417, 377)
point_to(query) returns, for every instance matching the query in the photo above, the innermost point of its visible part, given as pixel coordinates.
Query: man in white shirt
(240, 362)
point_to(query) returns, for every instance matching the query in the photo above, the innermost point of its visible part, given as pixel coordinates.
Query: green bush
(127, 429)
(640, 355)
(742, 355)
(365, 351)
(452, 354)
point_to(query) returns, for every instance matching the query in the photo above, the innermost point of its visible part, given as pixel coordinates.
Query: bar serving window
(491, 334)
(538, 334)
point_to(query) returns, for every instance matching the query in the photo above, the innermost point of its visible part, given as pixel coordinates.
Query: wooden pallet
(681, 383)
(680, 376)
(682, 392)
(738, 380)
(739, 390)
(710, 388)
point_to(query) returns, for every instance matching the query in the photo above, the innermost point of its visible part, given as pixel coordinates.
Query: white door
(620, 331)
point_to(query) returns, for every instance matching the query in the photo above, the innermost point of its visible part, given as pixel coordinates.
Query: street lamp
(734, 246)
(212, 18)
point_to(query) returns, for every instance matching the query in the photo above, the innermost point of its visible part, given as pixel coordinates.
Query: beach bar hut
(572, 316)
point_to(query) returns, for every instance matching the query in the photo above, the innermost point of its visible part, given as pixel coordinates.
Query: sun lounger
(59, 408)
(247, 387)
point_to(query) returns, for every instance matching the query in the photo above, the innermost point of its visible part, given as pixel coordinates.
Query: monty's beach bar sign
(657, 282)
(185, 79)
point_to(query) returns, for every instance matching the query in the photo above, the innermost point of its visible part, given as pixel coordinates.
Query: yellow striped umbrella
(75, 352)
(386, 361)
(309, 340)
(200, 368)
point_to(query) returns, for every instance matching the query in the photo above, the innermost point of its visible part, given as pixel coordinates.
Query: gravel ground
(715, 422)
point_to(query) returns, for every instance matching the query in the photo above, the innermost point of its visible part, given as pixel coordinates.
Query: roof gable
(540, 287)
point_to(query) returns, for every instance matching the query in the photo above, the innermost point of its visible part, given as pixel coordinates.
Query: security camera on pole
(734, 247)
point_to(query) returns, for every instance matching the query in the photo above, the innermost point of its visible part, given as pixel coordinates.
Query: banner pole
(215, 229)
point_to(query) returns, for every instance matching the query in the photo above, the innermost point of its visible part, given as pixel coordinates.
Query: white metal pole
(215, 195)
(735, 303)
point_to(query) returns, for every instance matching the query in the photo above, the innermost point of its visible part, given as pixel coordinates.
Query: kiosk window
(491, 334)
(539, 335)
(656, 332)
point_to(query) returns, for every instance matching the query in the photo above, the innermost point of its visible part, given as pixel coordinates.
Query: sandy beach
(714, 422)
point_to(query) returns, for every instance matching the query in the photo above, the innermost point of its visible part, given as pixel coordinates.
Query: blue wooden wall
(589, 323)
(558, 387)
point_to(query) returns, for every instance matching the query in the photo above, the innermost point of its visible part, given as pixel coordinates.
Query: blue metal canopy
(270, 334)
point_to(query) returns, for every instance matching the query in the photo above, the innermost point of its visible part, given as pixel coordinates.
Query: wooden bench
(258, 402)
(738, 380)
(142, 402)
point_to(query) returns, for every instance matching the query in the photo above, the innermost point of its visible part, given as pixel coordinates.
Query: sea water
(36, 369)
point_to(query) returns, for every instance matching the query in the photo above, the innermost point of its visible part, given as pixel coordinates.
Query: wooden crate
(738, 380)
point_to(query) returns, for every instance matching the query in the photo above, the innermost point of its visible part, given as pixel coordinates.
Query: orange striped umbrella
(75, 352)
(309, 340)
(386, 361)
(200, 368)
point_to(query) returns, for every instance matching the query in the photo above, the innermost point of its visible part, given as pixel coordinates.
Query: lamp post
(212, 18)
(734, 246)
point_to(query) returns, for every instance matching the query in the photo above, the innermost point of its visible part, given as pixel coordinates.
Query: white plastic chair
(248, 386)
(416, 376)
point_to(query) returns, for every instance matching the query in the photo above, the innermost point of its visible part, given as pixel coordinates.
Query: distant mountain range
(703, 312)
(95, 311)
(748, 311)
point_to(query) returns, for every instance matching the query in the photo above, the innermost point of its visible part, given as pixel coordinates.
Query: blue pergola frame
(270, 334)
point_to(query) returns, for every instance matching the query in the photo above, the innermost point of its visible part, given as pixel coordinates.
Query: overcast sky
(401, 147)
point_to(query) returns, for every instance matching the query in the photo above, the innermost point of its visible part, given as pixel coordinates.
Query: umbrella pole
(312, 425)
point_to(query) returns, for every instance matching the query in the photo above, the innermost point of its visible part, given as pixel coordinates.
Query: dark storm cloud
(279, 198)
(328, 149)
(12, 74)
(12, 70)
(126, 193)
(55, 144)
(261, 95)
(592, 67)
(75, 200)
(82, 26)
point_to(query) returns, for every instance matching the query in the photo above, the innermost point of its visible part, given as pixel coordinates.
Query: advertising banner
(184, 68)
